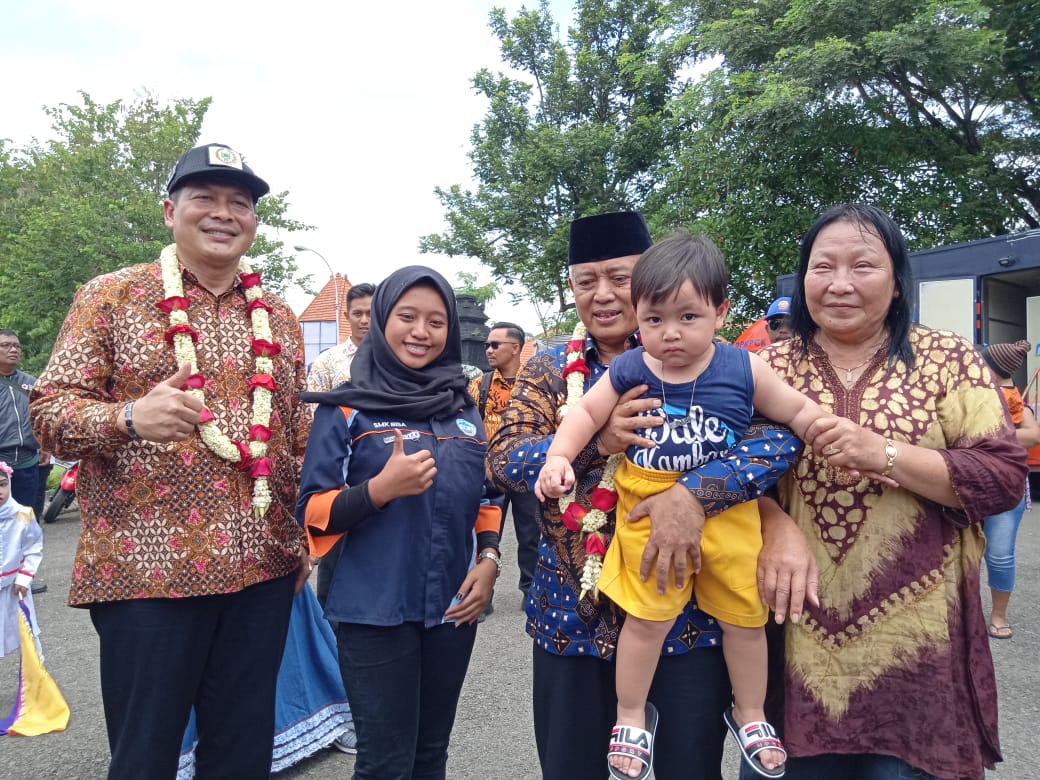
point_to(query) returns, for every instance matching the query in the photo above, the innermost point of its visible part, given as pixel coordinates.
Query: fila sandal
(752, 738)
(634, 743)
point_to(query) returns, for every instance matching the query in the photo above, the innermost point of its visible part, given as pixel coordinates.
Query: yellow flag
(39, 707)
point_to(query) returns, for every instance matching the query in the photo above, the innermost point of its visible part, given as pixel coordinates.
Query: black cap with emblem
(215, 162)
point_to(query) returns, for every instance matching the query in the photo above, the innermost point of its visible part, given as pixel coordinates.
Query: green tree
(926, 108)
(468, 286)
(580, 132)
(89, 202)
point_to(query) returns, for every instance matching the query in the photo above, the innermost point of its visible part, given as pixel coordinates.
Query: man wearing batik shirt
(575, 638)
(176, 384)
(491, 392)
(332, 367)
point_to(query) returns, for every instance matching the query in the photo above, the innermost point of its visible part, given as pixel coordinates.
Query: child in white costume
(21, 549)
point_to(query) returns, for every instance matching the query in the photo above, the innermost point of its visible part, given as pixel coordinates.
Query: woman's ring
(832, 451)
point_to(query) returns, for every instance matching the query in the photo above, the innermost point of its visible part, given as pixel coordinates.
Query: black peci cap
(606, 236)
(215, 162)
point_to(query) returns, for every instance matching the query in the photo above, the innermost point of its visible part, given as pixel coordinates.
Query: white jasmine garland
(184, 348)
(595, 518)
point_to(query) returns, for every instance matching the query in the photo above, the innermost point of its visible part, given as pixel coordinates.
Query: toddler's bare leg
(638, 651)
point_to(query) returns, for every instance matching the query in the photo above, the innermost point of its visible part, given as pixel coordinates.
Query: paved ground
(493, 736)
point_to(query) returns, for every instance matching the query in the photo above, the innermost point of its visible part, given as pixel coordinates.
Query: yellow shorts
(726, 586)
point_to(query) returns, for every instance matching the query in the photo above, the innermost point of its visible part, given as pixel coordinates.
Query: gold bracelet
(890, 452)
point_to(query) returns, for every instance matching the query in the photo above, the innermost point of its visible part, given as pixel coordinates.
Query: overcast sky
(359, 110)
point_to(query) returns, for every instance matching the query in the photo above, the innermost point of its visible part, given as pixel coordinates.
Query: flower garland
(603, 498)
(250, 457)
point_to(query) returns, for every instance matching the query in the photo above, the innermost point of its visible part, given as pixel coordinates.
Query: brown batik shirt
(895, 660)
(170, 519)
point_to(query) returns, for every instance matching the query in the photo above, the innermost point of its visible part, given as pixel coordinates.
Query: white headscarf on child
(10, 506)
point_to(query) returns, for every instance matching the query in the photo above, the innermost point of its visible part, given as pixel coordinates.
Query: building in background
(318, 320)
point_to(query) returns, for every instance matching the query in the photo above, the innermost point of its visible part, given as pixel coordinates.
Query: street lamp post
(335, 281)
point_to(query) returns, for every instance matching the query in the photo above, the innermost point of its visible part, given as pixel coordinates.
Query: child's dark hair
(679, 257)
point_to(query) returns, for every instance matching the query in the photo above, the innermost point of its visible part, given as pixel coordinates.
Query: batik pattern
(895, 660)
(173, 519)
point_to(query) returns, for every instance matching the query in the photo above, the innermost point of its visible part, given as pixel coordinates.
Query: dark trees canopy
(926, 108)
(89, 202)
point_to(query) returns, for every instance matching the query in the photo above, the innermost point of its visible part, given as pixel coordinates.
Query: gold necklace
(850, 371)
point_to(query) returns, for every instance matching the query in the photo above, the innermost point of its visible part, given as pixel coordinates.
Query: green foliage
(468, 286)
(927, 109)
(90, 202)
(579, 132)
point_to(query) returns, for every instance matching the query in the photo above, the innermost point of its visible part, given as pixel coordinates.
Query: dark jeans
(575, 708)
(403, 683)
(41, 490)
(219, 653)
(525, 524)
(24, 483)
(845, 767)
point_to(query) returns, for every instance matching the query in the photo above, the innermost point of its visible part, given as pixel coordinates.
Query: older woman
(891, 675)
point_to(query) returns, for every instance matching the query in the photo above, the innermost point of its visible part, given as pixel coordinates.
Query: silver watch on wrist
(128, 419)
(493, 556)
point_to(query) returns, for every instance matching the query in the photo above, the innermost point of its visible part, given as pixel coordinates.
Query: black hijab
(379, 382)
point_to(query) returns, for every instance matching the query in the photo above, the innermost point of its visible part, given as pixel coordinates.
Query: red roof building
(318, 320)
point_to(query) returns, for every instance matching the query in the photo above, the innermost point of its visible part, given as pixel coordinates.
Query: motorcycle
(64, 494)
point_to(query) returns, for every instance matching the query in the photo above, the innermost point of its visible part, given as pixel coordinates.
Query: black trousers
(525, 524)
(43, 473)
(219, 653)
(403, 683)
(575, 707)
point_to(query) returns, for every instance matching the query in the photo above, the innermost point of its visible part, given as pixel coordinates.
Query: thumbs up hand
(403, 475)
(166, 413)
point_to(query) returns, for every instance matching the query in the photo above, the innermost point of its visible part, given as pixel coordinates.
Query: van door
(948, 304)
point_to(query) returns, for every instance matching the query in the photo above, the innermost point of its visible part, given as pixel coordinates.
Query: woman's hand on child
(403, 475)
(555, 478)
(850, 447)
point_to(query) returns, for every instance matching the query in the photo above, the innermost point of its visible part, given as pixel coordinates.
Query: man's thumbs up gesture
(166, 413)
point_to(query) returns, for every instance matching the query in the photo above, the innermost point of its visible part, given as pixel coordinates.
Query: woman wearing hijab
(395, 461)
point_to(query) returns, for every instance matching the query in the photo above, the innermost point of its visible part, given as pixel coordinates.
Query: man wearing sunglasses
(778, 320)
(492, 392)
